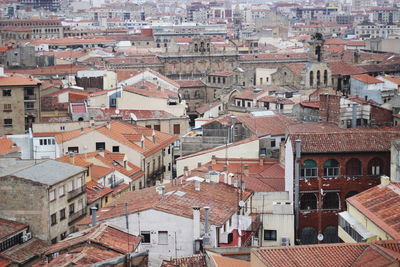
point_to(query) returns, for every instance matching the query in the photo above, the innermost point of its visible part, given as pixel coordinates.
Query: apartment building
(19, 102)
(50, 196)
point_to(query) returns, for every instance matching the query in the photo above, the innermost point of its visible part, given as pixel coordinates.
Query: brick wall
(381, 116)
(329, 108)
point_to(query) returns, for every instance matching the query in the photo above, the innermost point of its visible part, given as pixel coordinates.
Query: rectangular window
(54, 219)
(61, 191)
(7, 108)
(163, 237)
(79, 182)
(273, 143)
(71, 208)
(54, 240)
(8, 123)
(270, 235)
(29, 105)
(41, 142)
(63, 236)
(148, 126)
(70, 186)
(52, 195)
(100, 146)
(62, 214)
(177, 129)
(6, 92)
(145, 237)
(115, 149)
(74, 149)
(157, 127)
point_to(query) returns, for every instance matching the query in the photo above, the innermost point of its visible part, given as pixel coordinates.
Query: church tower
(316, 48)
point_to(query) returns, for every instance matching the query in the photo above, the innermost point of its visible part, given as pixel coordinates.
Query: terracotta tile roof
(102, 235)
(150, 90)
(206, 107)
(275, 99)
(100, 171)
(266, 125)
(71, 40)
(350, 140)
(87, 255)
(26, 251)
(273, 56)
(7, 146)
(8, 227)
(251, 94)
(190, 261)
(95, 191)
(51, 70)
(268, 177)
(343, 68)
(310, 104)
(15, 79)
(393, 79)
(125, 74)
(190, 83)
(221, 198)
(365, 78)
(229, 262)
(335, 41)
(5, 262)
(125, 114)
(296, 68)
(340, 255)
(380, 204)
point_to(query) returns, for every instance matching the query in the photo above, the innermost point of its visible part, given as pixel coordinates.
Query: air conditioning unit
(26, 237)
(285, 241)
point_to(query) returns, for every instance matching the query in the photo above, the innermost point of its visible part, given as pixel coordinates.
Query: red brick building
(335, 164)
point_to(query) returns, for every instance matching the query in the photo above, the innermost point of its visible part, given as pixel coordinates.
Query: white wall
(289, 168)
(284, 226)
(148, 76)
(48, 150)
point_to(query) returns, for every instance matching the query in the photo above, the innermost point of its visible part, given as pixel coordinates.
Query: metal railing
(74, 193)
(30, 97)
(75, 216)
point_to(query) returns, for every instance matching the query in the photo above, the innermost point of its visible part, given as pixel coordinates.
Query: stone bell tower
(316, 47)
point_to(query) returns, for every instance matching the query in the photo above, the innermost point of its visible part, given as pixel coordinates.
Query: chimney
(186, 171)
(162, 191)
(197, 185)
(72, 158)
(385, 180)
(153, 136)
(2, 71)
(196, 222)
(142, 141)
(109, 125)
(246, 170)
(94, 215)
(206, 238)
(213, 160)
(354, 116)
(198, 164)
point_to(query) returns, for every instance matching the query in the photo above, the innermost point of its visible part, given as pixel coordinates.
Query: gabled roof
(95, 191)
(190, 83)
(103, 235)
(365, 78)
(179, 200)
(149, 89)
(26, 251)
(16, 79)
(335, 255)
(381, 204)
(343, 68)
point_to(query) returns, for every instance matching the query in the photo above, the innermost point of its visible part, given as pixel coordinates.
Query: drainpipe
(297, 187)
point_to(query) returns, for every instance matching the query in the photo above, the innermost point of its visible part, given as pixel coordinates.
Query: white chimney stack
(2, 71)
(196, 223)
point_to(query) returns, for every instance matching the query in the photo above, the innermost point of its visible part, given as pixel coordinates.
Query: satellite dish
(117, 111)
(242, 203)
(320, 237)
(133, 117)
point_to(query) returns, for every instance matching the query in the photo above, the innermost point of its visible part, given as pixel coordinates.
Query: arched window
(353, 167)
(331, 168)
(309, 169)
(325, 77)
(330, 235)
(308, 201)
(308, 236)
(375, 166)
(318, 78)
(311, 78)
(318, 52)
(196, 49)
(331, 201)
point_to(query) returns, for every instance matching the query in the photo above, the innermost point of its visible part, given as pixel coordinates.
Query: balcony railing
(30, 97)
(77, 215)
(74, 193)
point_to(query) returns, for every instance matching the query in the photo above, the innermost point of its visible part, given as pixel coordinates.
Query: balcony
(77, 215)
(28, 98)
(74, 193)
